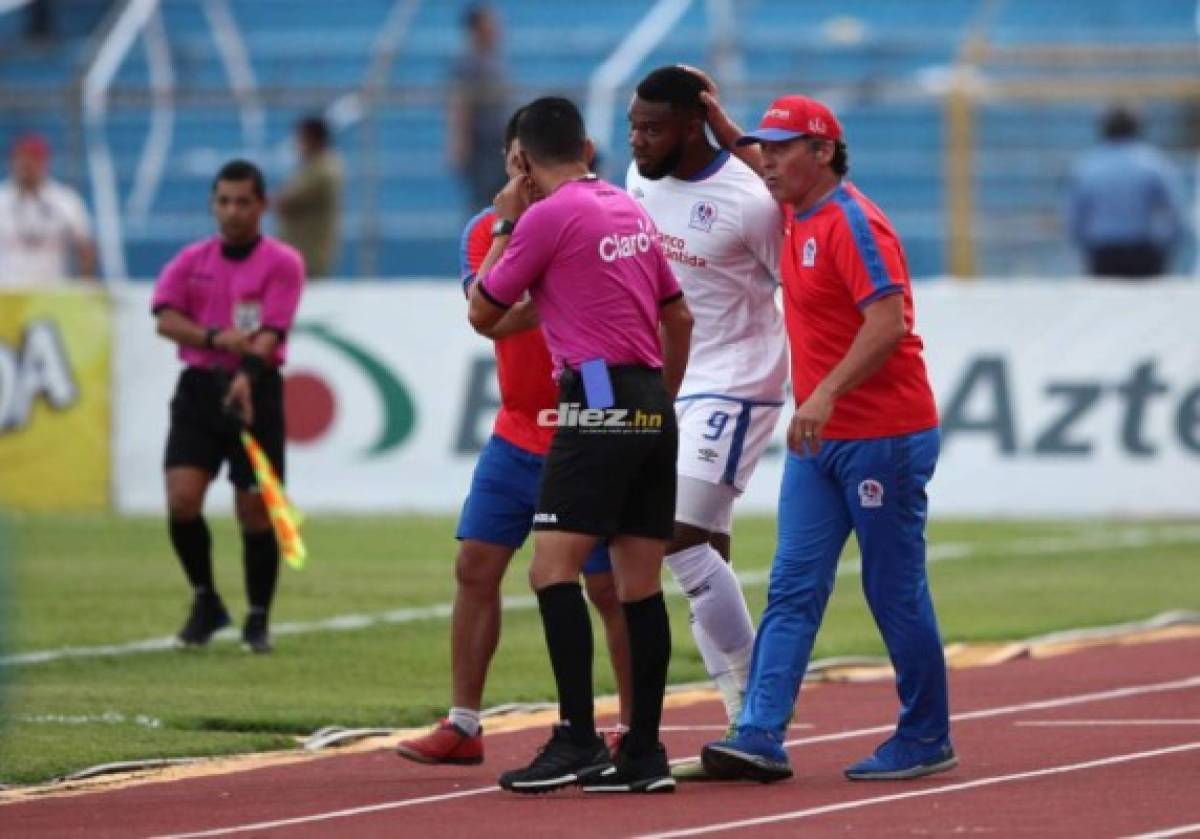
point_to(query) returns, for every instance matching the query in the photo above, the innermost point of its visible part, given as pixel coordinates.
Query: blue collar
(838, 191)
(711, 169)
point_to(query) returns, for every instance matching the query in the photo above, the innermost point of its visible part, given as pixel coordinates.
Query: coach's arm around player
(723, 127)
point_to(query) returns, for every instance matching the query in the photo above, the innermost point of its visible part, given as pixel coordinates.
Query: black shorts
(612, 473)
(202, 435)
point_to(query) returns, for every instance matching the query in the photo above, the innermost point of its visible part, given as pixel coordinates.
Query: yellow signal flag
(285, 518)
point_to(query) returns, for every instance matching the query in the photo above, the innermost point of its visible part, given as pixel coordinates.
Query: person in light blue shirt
(1124, 212)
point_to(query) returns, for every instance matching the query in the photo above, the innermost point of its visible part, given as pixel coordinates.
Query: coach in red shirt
(862, 444)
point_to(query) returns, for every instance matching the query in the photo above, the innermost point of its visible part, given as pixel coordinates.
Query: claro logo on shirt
(617, 247)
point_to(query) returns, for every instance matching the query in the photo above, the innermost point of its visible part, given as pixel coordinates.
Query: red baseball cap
(790, 117)
(34, 145)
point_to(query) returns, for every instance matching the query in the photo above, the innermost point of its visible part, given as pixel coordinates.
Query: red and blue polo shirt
(838, 257)
(522, 360)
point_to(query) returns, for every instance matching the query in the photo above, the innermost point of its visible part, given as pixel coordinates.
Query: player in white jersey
(721, 231)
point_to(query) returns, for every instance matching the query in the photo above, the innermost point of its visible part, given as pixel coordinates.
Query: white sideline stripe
(1040, 705)
(922, 793)
(334, 814)
(720, 727)
(1104, 540)
(343, 623)
(1071, 723)
(1182, 830)
(1116, 693)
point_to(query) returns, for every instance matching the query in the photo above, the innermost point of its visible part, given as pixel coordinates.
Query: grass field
(86, 581)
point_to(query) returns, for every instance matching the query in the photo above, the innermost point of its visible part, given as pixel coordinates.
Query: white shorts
(720, 442)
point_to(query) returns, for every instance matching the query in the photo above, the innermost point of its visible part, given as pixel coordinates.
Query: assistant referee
(587, 255)
(228, 303)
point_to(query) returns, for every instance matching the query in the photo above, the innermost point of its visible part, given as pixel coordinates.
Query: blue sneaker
(749, 753)
(899, 759)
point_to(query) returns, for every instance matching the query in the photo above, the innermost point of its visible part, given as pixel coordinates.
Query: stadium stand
(886, 68)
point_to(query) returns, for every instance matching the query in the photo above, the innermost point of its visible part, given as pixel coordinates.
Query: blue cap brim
(768, 135)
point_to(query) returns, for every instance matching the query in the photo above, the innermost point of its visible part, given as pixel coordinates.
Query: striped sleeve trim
(464, 262)
(864, 239)
(880, 293)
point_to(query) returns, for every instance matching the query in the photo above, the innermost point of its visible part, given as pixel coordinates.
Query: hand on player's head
(709, 85)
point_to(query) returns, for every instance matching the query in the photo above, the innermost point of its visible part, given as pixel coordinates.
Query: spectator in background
(1123, 211)
(478, 108)
(43, 223)
(309, 204)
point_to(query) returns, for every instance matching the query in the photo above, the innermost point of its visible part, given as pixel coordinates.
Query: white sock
(715, 597)
(731, 694)
(720, 619)
(728, 672)
(467, 719)
(714, 659)
(739, 663)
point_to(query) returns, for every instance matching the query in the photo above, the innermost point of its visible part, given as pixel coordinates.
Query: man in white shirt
(43, 223)
(721, 231)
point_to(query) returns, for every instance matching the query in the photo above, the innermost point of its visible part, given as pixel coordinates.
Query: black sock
(260, 558)
(649, 630)
(193, 546)
(569, 637)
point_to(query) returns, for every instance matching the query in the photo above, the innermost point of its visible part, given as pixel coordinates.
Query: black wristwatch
(503, 227)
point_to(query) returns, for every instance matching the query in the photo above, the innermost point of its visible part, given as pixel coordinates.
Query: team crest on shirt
(247, 315)
(704, 213)
(810, 253)
(870, 493)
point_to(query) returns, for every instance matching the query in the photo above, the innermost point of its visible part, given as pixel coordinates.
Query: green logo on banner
(399, 410)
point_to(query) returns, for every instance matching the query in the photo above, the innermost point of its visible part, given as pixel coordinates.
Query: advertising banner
(1057, 399)
(54, 400)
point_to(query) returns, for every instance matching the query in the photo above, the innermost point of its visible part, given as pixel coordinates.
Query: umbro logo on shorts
(709, 455)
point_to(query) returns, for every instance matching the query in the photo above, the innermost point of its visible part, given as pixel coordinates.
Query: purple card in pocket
(597, 386)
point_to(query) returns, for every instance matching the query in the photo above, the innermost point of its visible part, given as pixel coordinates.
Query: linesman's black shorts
(612, 472)
(204, 436)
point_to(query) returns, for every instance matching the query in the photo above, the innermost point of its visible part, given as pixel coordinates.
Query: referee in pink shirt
(587, 257)
(228, 302)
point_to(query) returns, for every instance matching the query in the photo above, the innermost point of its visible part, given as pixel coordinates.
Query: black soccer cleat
(256, 637)
(647, 773)
(560, 763)
(208, 615)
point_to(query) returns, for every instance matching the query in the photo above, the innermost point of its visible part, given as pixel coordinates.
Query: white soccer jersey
(721, 233)
(37, 233)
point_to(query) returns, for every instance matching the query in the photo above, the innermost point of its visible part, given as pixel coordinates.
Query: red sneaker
(445, 744)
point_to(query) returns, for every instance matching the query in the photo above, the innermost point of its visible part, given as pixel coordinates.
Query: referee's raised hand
(515, 198)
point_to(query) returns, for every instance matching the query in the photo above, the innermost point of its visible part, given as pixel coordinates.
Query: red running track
(1104, 742)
